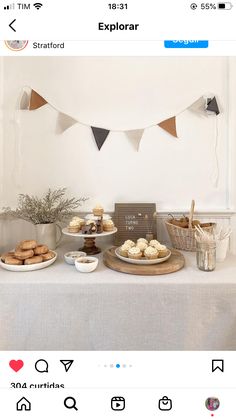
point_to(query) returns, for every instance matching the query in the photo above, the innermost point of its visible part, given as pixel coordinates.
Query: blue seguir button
(186, 44)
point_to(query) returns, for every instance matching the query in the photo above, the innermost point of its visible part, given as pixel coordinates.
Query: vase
(47, 234)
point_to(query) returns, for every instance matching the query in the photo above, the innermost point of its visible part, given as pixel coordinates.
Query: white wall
(118, 93)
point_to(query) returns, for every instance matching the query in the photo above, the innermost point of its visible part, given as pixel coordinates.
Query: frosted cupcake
(98, 211)
(141, 245)
(129, 243)
(124, 250)
(151, 253)
(162, 251)
(134, 253)
(142, 240)
(79, 221)
(74, 226)
(154, 243)
(108, 225)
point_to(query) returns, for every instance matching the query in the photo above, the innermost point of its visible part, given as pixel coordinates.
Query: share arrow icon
(67, 363)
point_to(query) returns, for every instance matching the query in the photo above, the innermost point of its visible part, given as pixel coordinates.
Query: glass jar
(206, 256)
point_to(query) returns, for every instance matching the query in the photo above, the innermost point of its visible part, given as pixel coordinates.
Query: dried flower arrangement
(52, 207)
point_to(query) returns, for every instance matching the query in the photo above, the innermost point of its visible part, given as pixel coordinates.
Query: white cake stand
(89, 240)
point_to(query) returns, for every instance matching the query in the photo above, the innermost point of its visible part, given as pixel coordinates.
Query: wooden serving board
(173, 264)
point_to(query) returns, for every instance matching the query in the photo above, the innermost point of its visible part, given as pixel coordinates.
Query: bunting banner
(205, 105)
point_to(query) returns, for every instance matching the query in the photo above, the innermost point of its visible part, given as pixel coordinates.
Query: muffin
(141, 245)
(129, 243)
(151, 253)
(79, 220)
(98, 211)
(162, 251)
(154, 243)
(108, 225)
(142, 240)
(74, 226)
(134, 253)
(124, 250)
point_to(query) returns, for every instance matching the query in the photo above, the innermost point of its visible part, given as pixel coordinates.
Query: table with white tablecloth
(58, 308)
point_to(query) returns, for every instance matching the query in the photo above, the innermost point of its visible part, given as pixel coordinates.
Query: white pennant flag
(135, 136)
(199, 105)
(64, 122)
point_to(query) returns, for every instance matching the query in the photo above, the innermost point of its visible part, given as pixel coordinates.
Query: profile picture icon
(16, 45)
(212, 403)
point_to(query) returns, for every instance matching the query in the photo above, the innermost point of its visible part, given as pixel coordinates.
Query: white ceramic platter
(142, 261)
(87, 236)
(28, 268)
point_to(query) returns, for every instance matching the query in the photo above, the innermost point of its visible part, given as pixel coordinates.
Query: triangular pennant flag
(199, 105)
(64, 122)
(212, 106)
(36, 101)
(24, 101)
(100, 136)
(169, 125)
(135, 136)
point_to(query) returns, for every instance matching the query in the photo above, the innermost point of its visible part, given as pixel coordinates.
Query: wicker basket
(184, 238)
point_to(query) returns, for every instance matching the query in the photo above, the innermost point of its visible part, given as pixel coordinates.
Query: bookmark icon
(67, 363)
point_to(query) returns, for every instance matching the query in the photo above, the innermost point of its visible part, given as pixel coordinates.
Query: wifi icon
(38, 5)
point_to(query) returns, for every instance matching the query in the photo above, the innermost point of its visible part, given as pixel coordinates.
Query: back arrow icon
(10, 25)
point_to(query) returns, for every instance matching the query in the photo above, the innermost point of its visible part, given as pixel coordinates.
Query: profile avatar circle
(16, 45)
(212, 403)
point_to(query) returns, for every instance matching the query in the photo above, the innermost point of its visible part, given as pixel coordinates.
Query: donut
(4, 255)
(24, 254)
(27, 244)
(33, 260)
(41, 249)
(11, 260)
(48, 256)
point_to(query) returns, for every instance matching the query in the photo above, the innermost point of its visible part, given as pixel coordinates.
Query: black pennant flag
(212, 106)
(100, 136)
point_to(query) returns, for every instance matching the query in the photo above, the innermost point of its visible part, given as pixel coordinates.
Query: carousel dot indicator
(117, 365)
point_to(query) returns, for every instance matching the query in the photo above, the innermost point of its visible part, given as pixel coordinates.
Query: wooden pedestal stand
(89, 246)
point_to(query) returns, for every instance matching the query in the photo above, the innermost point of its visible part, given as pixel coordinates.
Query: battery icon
(226, 6)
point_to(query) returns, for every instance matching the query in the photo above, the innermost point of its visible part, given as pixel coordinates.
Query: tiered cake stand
(89, 246)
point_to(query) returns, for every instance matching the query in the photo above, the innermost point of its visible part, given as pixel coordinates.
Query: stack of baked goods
(97, 223)
(143, 249)
(28, 252)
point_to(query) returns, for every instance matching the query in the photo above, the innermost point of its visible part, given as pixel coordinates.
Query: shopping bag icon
(165, 403)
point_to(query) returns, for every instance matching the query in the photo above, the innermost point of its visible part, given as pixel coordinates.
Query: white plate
(95, 217)
(88, 236)
(142, 261)
(27, 268)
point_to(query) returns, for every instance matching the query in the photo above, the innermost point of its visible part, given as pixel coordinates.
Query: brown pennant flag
(100, 135)
(36, 101)
(169, 125)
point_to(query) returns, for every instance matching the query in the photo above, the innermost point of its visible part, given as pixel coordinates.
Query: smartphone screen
(117, 209)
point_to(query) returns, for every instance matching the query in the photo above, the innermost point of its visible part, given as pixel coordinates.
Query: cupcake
(142, 240)
(134, 253)
(154, 243)
(129, 243)
(79, 220)
(151, 253)
(162, 251)
(98, 211)
(74, 226)
(141, 245)
(124, 250)
(108, 225)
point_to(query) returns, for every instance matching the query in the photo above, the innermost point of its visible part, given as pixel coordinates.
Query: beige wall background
(119, 93)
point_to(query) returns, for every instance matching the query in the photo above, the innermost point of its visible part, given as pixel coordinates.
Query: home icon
(23, 404)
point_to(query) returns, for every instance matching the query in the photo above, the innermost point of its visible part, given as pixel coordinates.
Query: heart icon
(16, 365)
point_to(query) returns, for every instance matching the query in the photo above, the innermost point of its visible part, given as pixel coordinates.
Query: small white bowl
(90, 266)
(70, 257)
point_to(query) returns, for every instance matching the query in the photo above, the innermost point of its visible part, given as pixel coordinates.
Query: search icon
(70, 403)
(41, 365)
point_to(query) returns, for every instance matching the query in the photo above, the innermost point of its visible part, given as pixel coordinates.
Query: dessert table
(59, 308)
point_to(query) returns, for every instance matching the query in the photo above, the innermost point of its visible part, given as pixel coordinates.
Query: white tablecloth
(59, 308)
